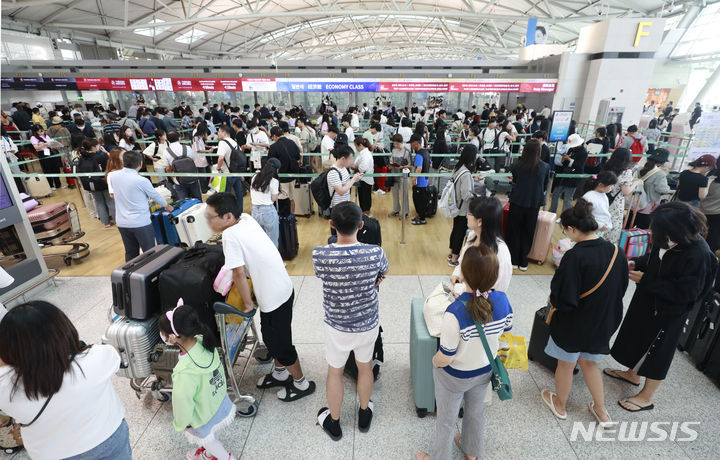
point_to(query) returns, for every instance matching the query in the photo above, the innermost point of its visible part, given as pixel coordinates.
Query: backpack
(496, 143)
(238, 160)
(449, 206)
(88, 165)
(636, 148)
(319, 188)
(183, 164)
(366, 115)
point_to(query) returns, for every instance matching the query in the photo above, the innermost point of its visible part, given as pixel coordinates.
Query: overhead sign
(259, 84)
(640, 32)
(327, 86)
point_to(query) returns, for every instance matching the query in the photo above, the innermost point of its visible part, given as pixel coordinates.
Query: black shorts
(276, 328)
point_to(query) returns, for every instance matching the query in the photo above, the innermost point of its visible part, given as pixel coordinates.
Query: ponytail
(480, 309)
(186, 322)
(361, 141)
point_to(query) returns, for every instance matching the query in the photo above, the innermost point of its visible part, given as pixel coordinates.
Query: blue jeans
(191, 190)
(116, 447)
(135, 239)
(266, 215)
(104, 205)
(235, 184)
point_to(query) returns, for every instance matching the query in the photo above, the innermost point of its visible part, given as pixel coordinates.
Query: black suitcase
(288, 243)
(712, 365)
(191, 278)
(432, 193)
(351, 369)
(707, 330)
(135, 285)
(370, 233)
(690, 327)
(538, 340)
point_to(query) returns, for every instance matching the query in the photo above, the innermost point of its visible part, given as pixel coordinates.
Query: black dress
(668, 290)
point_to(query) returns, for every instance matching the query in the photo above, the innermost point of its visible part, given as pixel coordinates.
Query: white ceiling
(339, 29)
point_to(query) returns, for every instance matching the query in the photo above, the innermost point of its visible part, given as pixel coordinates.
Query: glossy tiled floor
(521, 428)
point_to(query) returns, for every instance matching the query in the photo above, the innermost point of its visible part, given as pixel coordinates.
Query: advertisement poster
(706, 140)
(560, 126)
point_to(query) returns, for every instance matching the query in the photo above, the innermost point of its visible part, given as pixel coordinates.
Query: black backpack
(238, 160)
(183, 164)
(88, 165)
(319, 189)
(496, 144)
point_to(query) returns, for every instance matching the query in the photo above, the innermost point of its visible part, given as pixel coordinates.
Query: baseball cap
(705, 160)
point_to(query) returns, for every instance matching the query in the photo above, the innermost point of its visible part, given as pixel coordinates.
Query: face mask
(254, 130)
(165, 338)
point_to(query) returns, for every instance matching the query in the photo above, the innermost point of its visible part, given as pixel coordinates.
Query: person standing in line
(671, 280)
(350, 272)
(90, 160)
(175, 151)
(10, 150)
(655, 183)
(652, 134)
(462, 370)
(48, 374)
(250, 253)
(620, 164)
(288, 153)
(399, 159)
(42, 142)
(131, 192)
(264, 192)
(586, 306)
(693, 183)
(696, 114)
(530, 178)
(226, 144)
(420, 183)
(327, 145)
(464, 192)
(571, 162)
(364, 165)
(200, 149)
(596, 193)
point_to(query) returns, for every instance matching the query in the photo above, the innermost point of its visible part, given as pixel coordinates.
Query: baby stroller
(58, 224)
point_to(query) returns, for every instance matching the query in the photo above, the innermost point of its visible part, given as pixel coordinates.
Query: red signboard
(534, 87)
(93, 83)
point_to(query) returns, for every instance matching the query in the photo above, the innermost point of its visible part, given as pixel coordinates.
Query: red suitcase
(70, 180)
(506, 211)
(49, 216)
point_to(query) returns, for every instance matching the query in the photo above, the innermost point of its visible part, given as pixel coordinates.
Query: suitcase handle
(123, 360)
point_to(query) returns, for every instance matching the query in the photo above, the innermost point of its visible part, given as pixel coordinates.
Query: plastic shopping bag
(513, 351)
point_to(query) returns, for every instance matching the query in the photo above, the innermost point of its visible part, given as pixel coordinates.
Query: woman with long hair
(41, 141)
(90, 160)
(620, 164)
(264, 192)
(439, 162)
(530, 178)
(114, 163)
(612, 135)
(58, 388)
(422, 131)
(671, 280)
(201, 160)
(655, 184)
(485, 227)
(364, 164)
(464, 192)
(586, 302)
(461, 367)
(127, 139)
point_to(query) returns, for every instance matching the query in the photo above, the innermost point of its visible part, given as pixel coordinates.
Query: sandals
(639, 407)
(458, 443)
(613, 373)
(551, 405)
(292, 393)
(269, 381)
(591, 408)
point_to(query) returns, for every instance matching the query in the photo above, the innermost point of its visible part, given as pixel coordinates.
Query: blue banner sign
(328, 86)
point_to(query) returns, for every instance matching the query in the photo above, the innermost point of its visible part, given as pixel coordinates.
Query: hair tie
(170, 315)
(484, 294)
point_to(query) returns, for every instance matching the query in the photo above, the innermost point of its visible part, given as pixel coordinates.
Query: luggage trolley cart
(238, 336)
(59, 229)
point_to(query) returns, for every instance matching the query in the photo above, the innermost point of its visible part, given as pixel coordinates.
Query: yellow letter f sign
(641, 33)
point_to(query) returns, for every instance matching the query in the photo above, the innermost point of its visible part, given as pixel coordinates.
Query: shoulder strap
(602, 280)
(649, 173)
(42, 409)
(172, 154)
(481, 333)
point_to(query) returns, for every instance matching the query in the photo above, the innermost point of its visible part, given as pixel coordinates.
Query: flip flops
(591, 408)
(269, 381)
(613, 373)
(551, 405)
(639, 407)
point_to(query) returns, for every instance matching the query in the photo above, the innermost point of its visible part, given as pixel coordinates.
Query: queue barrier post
(403, 204)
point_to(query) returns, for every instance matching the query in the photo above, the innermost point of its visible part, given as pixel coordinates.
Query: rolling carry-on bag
(633, 241)
(432, 194)
(191, 278)
(29, 203)
(538, 340)
(712, 365)
(288, 243)
(135, 341)
(378, 358)
(707, 330)
(422, 349)
(498, 184)
(303, 200)
(37, 186)
(48, 216)
(170, 219)
(135, 285)
(370, 232)
(542, 241)
(156, 221)
(192, 226)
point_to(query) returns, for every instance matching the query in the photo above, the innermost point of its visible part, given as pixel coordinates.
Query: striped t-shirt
(349, 273)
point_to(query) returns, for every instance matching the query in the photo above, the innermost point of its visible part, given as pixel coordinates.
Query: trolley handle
(226, 309)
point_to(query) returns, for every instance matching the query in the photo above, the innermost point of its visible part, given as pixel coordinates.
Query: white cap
(5, 279)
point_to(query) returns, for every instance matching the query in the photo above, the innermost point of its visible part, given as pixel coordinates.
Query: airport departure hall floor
(520, 428)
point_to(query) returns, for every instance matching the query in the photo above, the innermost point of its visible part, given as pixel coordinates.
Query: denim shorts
(553, 350)
(116, 447)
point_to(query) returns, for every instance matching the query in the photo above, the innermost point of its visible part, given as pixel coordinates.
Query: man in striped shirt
(350, 272)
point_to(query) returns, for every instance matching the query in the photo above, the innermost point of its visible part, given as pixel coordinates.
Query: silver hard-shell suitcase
(192, 226)
(135, 340)
(303, 200)
(135, 285)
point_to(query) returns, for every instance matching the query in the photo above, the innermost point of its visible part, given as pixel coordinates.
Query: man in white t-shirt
(174, 147)
(545, 112)
(349, 132)
(250, 253)
(355, 121)
(226, 144)
(327, 145)
(338, 178)
(257, 143)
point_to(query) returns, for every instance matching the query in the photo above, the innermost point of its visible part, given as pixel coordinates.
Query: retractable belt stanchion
(403, 203)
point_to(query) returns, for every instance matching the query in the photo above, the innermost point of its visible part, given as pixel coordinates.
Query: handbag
(514, 357)
(594, 288)
(435, 305)
(499, 380)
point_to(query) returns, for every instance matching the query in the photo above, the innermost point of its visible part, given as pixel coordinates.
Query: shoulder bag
(594, 288)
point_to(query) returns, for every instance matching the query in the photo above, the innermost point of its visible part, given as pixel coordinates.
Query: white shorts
(339, 344)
